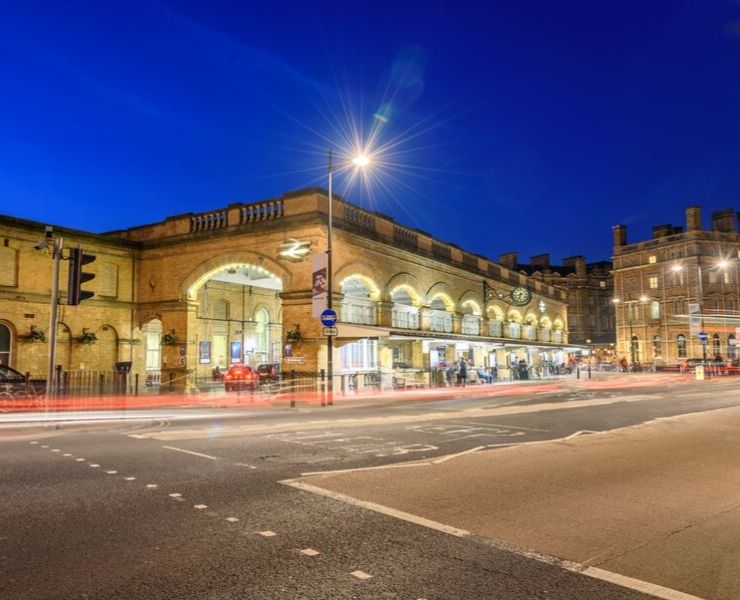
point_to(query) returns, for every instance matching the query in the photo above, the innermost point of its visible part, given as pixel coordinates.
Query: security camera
(48, 233)
(41, 245)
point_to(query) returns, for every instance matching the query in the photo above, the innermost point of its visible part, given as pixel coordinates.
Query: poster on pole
(694, 319)
(319, 284)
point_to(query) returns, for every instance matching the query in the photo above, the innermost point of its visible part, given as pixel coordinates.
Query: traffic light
(75, 293)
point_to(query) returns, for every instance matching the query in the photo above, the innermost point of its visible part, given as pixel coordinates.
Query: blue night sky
(527, 126)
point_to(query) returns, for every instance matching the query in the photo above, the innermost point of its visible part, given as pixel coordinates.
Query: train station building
(182, 296)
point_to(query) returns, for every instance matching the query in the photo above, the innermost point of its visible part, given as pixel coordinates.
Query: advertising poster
(204, 353)
(235, 352)
(319, 284)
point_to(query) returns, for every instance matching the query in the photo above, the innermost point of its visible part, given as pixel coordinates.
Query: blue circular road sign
(703, 336)
(328, 318)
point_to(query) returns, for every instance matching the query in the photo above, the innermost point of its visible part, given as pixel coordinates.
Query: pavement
(658, 503)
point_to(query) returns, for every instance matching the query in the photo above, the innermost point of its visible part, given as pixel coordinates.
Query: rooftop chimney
(723, 220)
(619, 235)
(578, 262)
(693, 218)
(541, 260)
(510, 260)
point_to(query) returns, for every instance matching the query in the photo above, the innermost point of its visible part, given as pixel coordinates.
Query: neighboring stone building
(590, 290)
(658, 283)
(178, 297)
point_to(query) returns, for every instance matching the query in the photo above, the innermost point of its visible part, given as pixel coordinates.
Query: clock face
(520, 296)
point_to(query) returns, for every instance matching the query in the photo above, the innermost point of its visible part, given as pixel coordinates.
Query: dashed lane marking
(111, 472)
(79, 460)
(152, 486)
(231, 519)
(309, 552)
(361, 575)
(200, 506)
(175, 495)
(201, 455)
(44, 446)
(56, 450)
(245, 465)
(33, 443)
(94, 465)
(130, 478)
(267, 533)
(627, 582)
(66, 454)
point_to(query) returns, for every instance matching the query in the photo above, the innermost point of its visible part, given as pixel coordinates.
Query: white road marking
(130, 478)
(175, 495)
(44, 446)
(94, 465)
(33, 443)
(361, 575)
(200, 506)
(442, 459)
(66, 454)
(79, 460)
(111, 472)
(245, 465)
(231, 519)
(627, 582)
(309, 552)
(577, 433)
(267, 533)
(56, 450)
(151, 486)
(208, 456)
(379, 467)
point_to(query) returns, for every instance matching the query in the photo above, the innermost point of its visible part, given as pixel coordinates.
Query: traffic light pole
(57, 256)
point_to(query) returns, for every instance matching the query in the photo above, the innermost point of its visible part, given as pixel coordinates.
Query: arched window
(5, 340)
(655, 310)
(716, 345)
(730, 304)
(471, 318)
(261, 334)
(635, 349)
(440, 319)
(681, 344)
(221, 310)
(357, 305)
(404, 313)
(731, 353)
(715, 303)
(657, 347)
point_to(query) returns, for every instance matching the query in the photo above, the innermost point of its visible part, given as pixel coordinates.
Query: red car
(240, 377)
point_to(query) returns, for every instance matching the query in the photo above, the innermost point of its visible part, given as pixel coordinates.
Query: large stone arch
(530, 318)
(206, 269)
(358, 269)
(444, 291)
(471, 298)
(404, 281)
(496, 311)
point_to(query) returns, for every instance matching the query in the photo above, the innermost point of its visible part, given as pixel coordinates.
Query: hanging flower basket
(294, 335)
(168, 339)
(36, 335)
(87, 337)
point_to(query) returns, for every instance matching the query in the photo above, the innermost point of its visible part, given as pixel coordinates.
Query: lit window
(652, 259)
(602, 284)
(726, 277)
(653, 283)
(655, 310)
(681, 343)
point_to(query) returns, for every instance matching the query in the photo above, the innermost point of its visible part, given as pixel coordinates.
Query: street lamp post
(361, 161)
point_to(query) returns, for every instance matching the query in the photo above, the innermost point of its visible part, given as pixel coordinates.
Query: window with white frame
(360, 355)
(5, 344)
(655, 309)
(681, 345)
(657, 346)
(357, 305)
(439, 319)
(261, 333)
(731, 349)
(653, 283)
(404, 314)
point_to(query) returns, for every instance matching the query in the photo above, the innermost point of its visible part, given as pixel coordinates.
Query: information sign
(329, 331)
(328, 318)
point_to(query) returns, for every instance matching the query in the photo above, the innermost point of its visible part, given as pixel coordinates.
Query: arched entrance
(6, 339)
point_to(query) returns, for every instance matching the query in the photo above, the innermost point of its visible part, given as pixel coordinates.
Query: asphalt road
(190, 504)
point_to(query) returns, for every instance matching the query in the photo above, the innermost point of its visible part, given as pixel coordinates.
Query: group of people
(459, 373)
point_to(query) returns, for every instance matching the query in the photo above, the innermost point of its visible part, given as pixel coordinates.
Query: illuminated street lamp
(361, 160)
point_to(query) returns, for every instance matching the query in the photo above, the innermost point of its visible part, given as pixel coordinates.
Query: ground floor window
(657, 347)
(360, 355)
(716, 344)
(4, 345)
(440, 321)
(635, 349)
(731, 353)
(153, 351)
(406, 317)
(681, 343)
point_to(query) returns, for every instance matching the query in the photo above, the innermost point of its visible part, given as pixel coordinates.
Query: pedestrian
(463, 372)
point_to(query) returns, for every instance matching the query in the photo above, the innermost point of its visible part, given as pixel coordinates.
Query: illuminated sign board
(295, 249)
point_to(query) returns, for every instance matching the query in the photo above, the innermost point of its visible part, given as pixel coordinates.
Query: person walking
(463, 372)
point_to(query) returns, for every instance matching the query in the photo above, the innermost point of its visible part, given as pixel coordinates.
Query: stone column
(179, 358)
(385, 314)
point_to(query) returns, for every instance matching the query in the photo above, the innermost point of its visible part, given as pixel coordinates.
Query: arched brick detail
(471, 297)
(404, 281)
(530, 318)
(362, 270)
(201, 273)
(496, 311)
(443, 290)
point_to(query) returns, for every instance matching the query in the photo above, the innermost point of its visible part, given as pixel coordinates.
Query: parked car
(13, 384)
(268, 373)
(240, 377)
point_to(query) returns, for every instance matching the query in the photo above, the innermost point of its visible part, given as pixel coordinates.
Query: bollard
(101, 382)
(136, 384)
(322, 386)
(292, 388)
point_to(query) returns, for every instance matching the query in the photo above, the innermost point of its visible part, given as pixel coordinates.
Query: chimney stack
(577, 262)
(693, 218)
(723, 220)
(541, 260)
(510, 260)
(619, 236)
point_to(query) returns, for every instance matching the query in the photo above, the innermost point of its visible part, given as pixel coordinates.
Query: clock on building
(520, 296)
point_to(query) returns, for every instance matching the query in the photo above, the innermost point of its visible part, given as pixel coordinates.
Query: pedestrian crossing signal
(75, 293)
